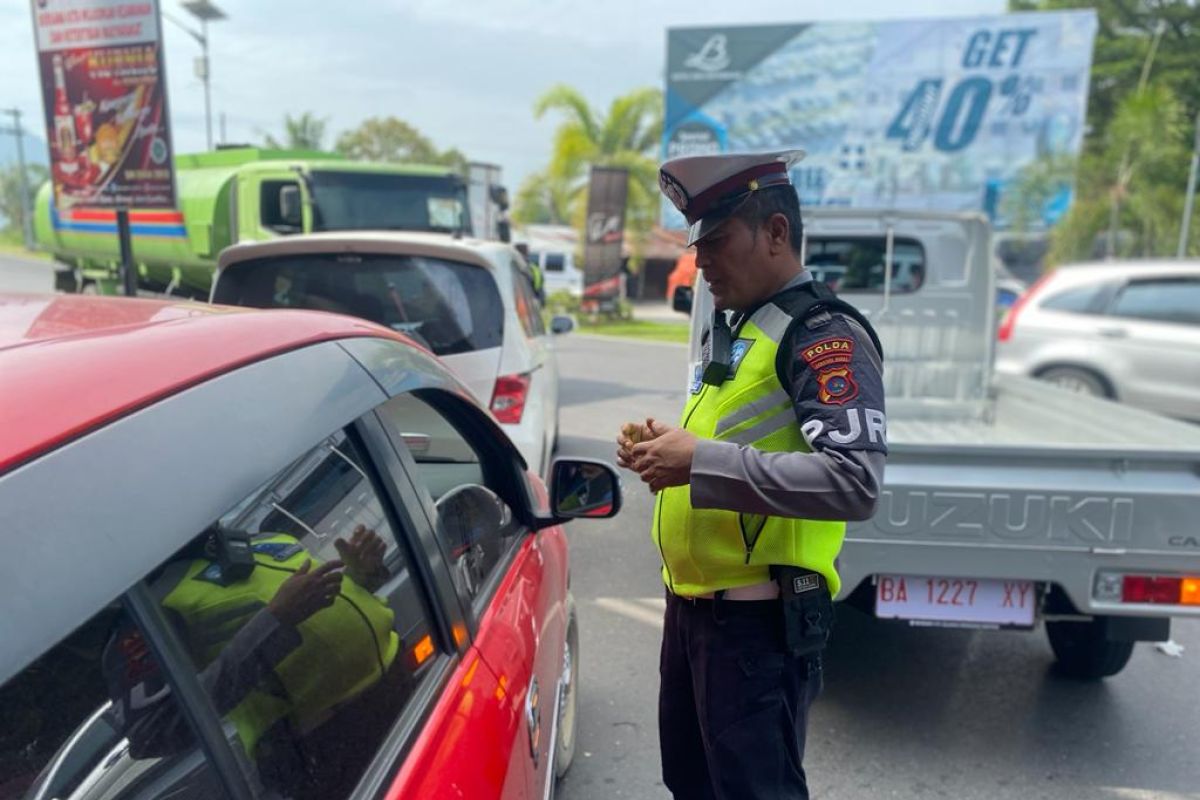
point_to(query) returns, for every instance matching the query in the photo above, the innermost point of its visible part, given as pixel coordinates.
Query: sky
(464, 72)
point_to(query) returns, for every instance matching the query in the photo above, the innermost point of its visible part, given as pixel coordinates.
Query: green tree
(543, 199)
(305, 131)
(626, 136)
(1126, 30)
(392, 139)
(11, 207)
(1144, 93)
(1135, 170)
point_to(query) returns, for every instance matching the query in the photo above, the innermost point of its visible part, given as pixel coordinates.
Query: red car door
(522, 638)
(459, 752)
(491, 733)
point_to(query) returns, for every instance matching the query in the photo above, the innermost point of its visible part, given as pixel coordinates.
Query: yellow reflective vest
(705, 550)
(344, 648)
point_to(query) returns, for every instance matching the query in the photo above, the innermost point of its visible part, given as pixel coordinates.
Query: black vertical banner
(604, 231)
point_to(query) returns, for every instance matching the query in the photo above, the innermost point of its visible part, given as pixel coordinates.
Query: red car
(272, 554)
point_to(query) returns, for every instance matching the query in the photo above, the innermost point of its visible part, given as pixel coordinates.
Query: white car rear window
(451, 306)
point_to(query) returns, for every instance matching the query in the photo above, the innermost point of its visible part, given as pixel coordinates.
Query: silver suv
(1128, 330)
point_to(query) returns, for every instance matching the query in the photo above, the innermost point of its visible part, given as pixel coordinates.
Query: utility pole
(26, 209)
(1191, 193)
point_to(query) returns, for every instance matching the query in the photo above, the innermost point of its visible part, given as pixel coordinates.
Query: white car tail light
(508, 398)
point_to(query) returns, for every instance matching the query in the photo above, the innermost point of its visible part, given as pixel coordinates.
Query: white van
(558, 271)
(552, 249)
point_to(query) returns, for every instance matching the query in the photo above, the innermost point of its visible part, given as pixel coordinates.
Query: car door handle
(1113, 333)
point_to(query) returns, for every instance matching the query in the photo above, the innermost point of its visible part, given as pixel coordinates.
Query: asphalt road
(21, 274)
(906, 713)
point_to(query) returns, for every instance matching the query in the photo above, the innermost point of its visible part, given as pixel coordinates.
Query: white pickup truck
(1006, 501)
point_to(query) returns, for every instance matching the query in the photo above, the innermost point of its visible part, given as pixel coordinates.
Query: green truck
(248, 194)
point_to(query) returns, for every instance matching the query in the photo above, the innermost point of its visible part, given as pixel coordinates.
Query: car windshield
(451, 306)
(364, 200)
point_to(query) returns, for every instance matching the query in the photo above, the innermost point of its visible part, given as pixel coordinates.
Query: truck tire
(568, 719)
(1085, 652)
(1075, 379)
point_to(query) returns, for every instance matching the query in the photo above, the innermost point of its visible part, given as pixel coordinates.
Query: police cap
(708, 190)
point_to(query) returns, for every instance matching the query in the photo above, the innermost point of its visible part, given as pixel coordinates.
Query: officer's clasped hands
(660, 454)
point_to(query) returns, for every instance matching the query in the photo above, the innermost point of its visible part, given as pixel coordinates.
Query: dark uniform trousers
(733, 705)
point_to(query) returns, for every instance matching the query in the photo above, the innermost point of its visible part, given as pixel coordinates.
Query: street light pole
(26, 211)
(207, 82)
(1191, 193)
(206, 12)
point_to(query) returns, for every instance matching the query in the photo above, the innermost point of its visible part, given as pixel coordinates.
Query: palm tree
(627, 136)
(543, 199)
(303, 132)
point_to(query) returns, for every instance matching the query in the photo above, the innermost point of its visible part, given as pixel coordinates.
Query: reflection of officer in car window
(292, 651)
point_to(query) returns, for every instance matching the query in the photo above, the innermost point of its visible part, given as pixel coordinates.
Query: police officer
(782, 441)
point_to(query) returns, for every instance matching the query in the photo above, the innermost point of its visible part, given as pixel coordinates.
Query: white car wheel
(1079, 381)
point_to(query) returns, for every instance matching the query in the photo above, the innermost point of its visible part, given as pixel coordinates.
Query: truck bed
(1035, 484)
(1030, 415)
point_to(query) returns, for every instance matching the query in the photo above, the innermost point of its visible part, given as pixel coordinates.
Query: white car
(471, 302)
(1126, 330)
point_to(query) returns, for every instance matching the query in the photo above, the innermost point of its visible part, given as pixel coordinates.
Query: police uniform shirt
(836, 386)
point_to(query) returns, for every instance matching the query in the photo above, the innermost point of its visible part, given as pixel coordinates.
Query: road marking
(648, 610)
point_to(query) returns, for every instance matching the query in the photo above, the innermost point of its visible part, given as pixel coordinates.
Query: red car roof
(69, 363)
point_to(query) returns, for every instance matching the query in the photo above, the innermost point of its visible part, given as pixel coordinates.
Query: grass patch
(12, 244)
(639, 329)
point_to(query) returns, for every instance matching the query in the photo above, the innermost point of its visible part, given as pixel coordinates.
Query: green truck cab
(244, 195)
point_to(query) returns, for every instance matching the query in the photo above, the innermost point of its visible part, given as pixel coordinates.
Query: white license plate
(969, 601)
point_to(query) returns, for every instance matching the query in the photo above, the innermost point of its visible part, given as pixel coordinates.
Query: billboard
(607, 192)
(105, 100)
(937, 114)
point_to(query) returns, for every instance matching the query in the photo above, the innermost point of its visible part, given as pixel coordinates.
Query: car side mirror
(583, 489)
(681, 301)
(560, 324)
(290, 206)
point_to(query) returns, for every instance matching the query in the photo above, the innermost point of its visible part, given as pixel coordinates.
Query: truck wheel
(89, 287)
(1080, 381)
(1084, 650)
(564, 744)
